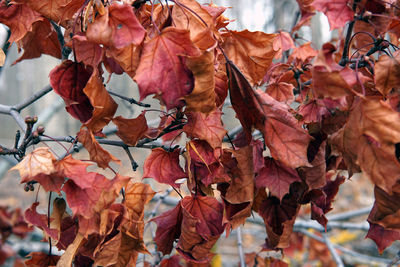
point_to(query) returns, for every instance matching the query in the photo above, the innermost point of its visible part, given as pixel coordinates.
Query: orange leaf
(131, 130)
(103, 104)
(252, 52)
(97, 154)
(39, 161)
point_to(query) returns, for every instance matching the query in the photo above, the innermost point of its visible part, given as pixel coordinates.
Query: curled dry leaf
(131, 130)
(97, 154)
(164, 167)
(162, 71)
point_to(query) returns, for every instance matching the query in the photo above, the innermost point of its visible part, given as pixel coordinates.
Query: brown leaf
(41, 259)
(202, 98)
(164, 167)
(387, 73)
(69, 254)
(55, 10)
(19, 18)
(337, 11)
(252, 52)
(161, 68)
(186, 16)
(103, 104)
(303, 52)
(39, 220)
(127, 57)
(41, 40)
(131, 130)
(283, 134)
(97, 154)
(241, 188)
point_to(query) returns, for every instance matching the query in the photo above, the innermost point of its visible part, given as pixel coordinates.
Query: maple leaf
(39, 220)
(302, 53)
(337, 11)
(97, 154)
(68, 80)
(282, 43)
(41, 40)
(131, 130)
(315, 176)
(161, 70)
(241, 188)
(41, 259)
(39, 161)
(164, 167)
(313, 111)
(89, 53)
(386, 209)
(206, 127)
(55, 10)
(378, 162)
(281, 91)
(69, 254)
(202, 98)
(75, 170)
(127, 57)
(118, 27)
(252, 52)
(103, 104)
(276, 177)
(381, 236)
(201, 227)
(137, 196)
(11, 14)
(168, 229)
(283, 134)
(221, 87)
(186, 15)
(307, 12)
(387, 72)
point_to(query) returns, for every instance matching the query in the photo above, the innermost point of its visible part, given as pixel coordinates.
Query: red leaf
(163, 166)
(118, 27)
(19, 18)
(173, 261)
(161, 70)
(337, 11)
(201, 227)
(39, 220)
(68, 80)
(206, 127)
(276, 177)
(381, 236)
(87, 52)
(131, 130)
(41, 40)
(168, 229)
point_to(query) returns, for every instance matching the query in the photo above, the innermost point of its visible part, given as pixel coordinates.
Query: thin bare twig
(129, 99)
(332, 250)
(240, 247)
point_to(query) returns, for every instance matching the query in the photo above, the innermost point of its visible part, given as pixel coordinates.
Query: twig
(335, 256)
(349, 214)
(133, 162)
(20, 106)
(240, 247)
(395, 260)
(345, 56)
(130, 100)
(362, 257)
